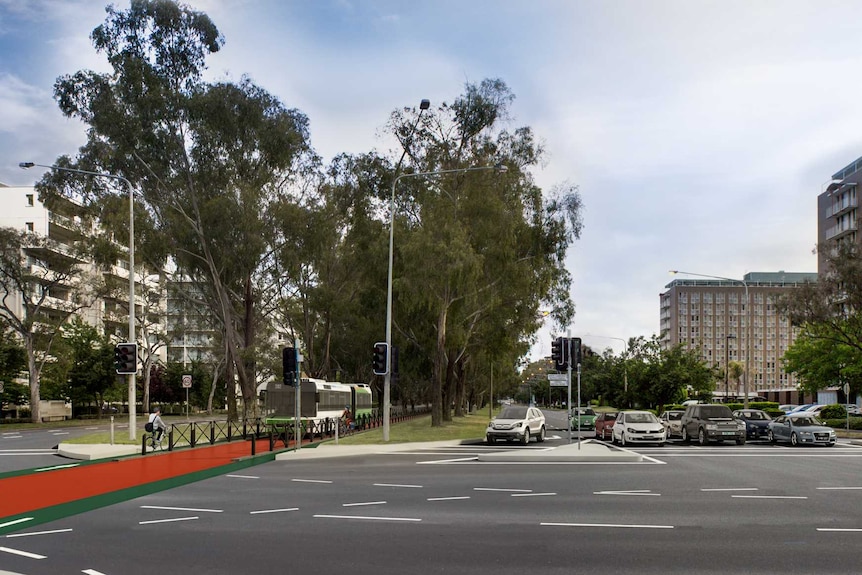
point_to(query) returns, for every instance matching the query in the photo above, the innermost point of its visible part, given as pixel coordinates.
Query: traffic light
(576, 350)
(126, 358)
(560, 353)
(380, 361)
(288, 365)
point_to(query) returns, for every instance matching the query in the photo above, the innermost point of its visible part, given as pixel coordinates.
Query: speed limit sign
(187, 381)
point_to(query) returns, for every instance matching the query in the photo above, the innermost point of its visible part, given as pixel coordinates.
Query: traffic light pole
(568, 352)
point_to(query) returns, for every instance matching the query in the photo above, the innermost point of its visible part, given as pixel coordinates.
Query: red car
(604, 425)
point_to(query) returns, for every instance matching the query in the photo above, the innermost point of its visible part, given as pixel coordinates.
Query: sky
(699, 132)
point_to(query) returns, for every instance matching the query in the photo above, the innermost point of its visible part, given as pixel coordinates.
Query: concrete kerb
(588, 451)
(91, 451)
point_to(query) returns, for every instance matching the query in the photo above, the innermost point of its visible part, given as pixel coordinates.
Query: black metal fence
(196, 433)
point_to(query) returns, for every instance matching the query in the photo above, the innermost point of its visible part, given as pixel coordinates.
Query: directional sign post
(187, 384)
(557, 380)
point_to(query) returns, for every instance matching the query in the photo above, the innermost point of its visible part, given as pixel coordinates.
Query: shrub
(834, 411)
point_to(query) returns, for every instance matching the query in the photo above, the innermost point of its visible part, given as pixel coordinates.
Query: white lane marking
(167, 520)
(243, 476)
(16, 521)
(837, 488)
(769, 496)
(731, 489)
(92, 572)
(181, 509)
(438, 461)
(837, 530)
(22, 553)
(607, 525)
(311, 481)
(61, 433)
(273, 511)
(366, 518)
(448, 498)
(57, 467)
(503, 490)
(629, 492)
(39, 533)
(90, 428)
(14, 452)
(397, 485)
(532, 494)
(11, 436)
(362, 504)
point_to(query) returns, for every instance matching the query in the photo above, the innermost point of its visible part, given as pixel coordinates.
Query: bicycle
(156, 444)
(345, 429)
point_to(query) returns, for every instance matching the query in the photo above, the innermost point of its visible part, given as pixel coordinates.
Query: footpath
(95, 476)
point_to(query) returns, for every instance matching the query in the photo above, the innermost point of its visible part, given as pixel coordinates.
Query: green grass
(419, 429)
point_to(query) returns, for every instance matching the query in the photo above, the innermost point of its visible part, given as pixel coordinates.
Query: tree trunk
(32, 365)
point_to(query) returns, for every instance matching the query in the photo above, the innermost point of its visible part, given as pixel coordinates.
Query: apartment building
(727, 320)
(837, 208)
(65, 226)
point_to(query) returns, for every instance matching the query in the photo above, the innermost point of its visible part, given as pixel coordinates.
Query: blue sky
(700, 132)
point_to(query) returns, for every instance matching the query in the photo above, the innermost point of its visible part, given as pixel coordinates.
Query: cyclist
(347, 418)
(156, 425)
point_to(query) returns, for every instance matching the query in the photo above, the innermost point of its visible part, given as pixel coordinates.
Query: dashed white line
(503, 490)
(243, 476)
(837, 530)
(39, 533)
(367, 518)
(532, 494)
(616, 525)
(397, 485)
(181, 509)
(167, 520)
(92, 572)
(769, 496)
(15, 522)
(22, 553)
(363, 504)
(646, 492)
(311, 481)
(448, 498)
(837, 488)
(273, 511)
(731, 489)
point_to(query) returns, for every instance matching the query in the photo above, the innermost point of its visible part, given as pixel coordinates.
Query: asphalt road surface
(753, 509)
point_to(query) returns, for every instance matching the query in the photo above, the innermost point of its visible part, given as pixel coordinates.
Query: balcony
(840, 207)
(839, 231)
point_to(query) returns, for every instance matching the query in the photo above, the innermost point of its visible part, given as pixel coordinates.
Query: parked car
(852, 409)
(801, 429)
(638, 427)
(604, 425)
(756, 422)
(517, 422)
(583, 419)
(672, 421)
(802, 407)
(711, 422)
(787, 408)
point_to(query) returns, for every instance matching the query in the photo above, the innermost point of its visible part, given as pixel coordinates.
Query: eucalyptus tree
(42, 284)
(207, 160)
(479, 253)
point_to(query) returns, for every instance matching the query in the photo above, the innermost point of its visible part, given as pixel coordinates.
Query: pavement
(588, 450)
(91, 451)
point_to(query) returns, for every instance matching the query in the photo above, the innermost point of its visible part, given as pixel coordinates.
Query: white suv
(517, 422)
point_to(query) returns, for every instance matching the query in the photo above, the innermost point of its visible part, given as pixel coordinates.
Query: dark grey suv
(711, 422)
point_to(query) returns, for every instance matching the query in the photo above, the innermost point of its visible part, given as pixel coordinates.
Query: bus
(320, 401)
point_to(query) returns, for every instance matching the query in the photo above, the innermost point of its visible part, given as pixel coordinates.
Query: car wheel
(685, 437)
(701, 437)
(770, 436)
(541, 437)
(794, 441)
(526, 439)
(623, 439)
(740, 441)
(489, 440)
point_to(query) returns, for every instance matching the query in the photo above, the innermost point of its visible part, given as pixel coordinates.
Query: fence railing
(197, 433)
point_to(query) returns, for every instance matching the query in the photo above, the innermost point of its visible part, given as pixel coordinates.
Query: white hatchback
(517, 422)
(638, 427)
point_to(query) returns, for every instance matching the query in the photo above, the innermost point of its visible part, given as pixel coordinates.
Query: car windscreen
(513, 412)
(674, 415)
(804, 421)
(755, 416)
(640, 418)
(715, 412)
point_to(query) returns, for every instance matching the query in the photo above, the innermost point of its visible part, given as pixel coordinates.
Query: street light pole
(625, 351)
(748, 317)
(727, 339)
(132, 376)
(387, 378)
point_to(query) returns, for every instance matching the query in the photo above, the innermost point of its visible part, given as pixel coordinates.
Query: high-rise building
(837, 209)
(714, 317)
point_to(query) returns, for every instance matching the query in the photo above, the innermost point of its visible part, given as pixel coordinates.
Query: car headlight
(806, 433)
(631, 430)
(519, 424)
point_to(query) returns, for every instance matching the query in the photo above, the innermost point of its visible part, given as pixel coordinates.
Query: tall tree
(91, 374)
(42, 286)
(207, 160)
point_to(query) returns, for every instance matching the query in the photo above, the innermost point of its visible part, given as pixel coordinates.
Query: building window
(29, 199)
(29, 226)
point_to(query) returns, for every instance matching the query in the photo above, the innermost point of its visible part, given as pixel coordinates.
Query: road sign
(187, 381)
(558, 380)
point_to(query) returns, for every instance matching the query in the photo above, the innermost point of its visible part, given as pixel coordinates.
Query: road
(685, 509)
